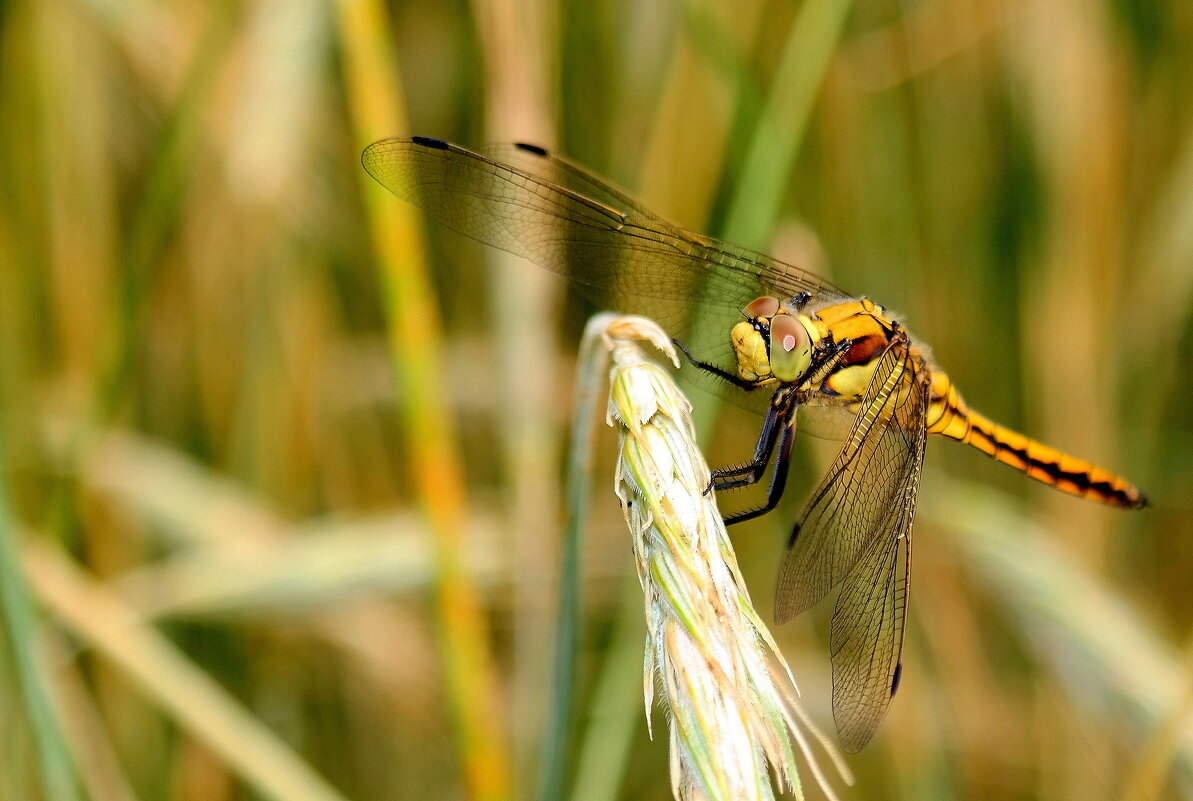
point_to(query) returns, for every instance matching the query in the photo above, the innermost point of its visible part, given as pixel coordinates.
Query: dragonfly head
(772, 342)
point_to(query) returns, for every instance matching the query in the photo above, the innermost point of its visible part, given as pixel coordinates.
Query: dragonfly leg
(709, 367)
(778, 479)
(750, 472)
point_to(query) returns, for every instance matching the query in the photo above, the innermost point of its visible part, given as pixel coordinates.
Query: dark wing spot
(535, 149)
(895, 679)
(427, 141)
(794, 535)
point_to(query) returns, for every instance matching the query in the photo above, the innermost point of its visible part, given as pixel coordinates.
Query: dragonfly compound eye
(762, 307)
(790, 348)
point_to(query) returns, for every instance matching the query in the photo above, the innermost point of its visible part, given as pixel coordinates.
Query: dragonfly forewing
(569, 221)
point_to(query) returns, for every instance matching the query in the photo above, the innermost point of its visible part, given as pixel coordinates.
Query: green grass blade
(615, 712)
(590, 377)
(30, 724)
(779, 132)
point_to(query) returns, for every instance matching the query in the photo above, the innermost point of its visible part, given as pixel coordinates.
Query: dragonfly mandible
(839, 363)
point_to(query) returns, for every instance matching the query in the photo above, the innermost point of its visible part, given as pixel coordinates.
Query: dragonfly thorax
(773, 343)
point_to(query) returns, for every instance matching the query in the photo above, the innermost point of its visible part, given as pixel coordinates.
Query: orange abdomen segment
(949, 416)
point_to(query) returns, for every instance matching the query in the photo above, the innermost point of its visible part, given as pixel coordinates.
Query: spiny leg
(778, 479)
(750, 472)
(779, 425)
(753, 470)
(709, 367)
(783, 408)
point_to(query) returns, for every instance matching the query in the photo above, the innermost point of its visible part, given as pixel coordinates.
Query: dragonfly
(838, 365)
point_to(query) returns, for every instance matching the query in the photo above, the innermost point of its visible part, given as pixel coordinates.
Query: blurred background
(281, 505)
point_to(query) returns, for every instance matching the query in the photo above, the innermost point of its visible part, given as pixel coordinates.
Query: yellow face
(771, 344)
(753, 362)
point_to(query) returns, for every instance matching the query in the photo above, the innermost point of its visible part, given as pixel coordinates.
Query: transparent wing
(558, 215)
(856, 528)
(866, 642)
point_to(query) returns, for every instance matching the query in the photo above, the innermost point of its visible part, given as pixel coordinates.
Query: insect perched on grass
(839, 363)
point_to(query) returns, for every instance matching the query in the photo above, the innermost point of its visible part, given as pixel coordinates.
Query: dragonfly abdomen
(950, 417)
